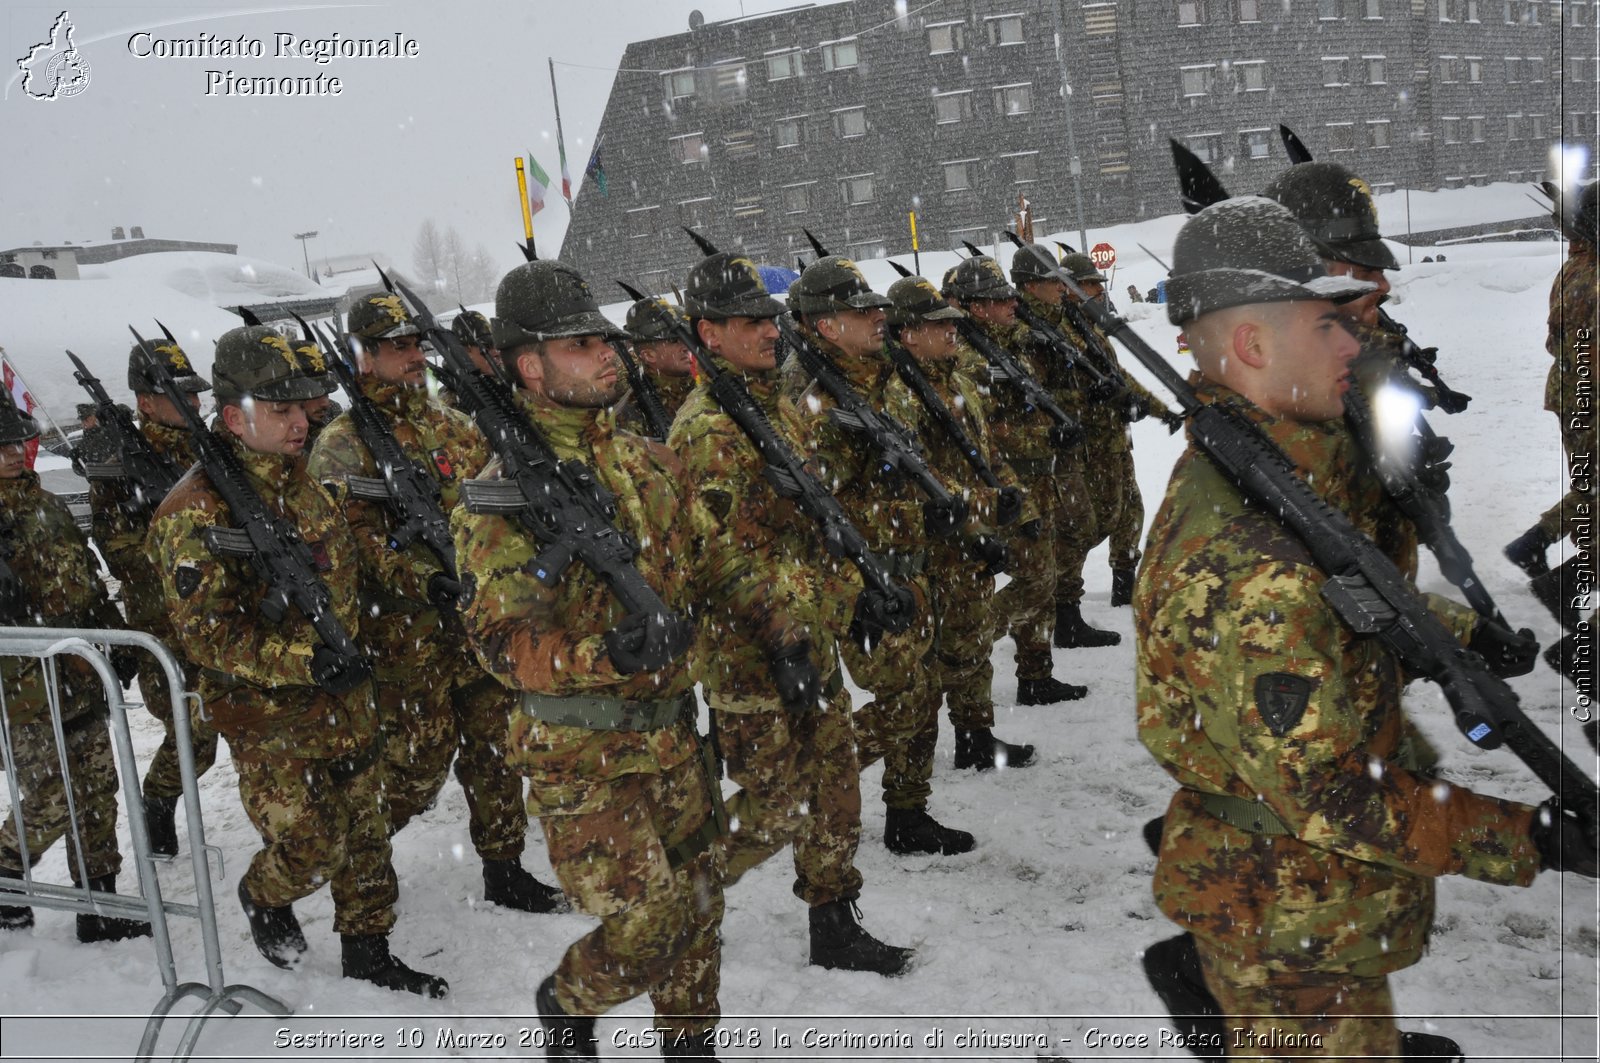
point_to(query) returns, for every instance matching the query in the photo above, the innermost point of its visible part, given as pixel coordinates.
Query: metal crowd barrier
(46, 644)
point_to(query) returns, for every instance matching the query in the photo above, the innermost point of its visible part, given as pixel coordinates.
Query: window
(1472, 10)
(1335, 71)
(1535, 65)
(689, 148)
(1446, 10)
(679, 83)
(1577, 12)
(872, 247)
(41, 273)
(1513, 127)
(1025, 168)
(952, 107)
(1451, 128)
(1330, 9)
(1375, 73)
(1513, 70)
(695, 213)
(958, 175)
(1448, 69)
(1378, 133)
(1474, 69)
(797, 198)
(1013, 99)
(1249, 10)
(789, 132)
(1576, 63)
(1193, 12)
(739, 143)
(857, 189)
(643, 221)
(975, 234)
(1252, 75)
(947, 37)
(1475, 128)
(1536, 127)
(1207, 147)
(850, 122)
(1004, 29)
(1197, 79)
(839, 55)
(1533, 13)
(1255, 143)
(732, 82)
(1374, 9)
(1342, 136)
(784, 65)
(49, 256)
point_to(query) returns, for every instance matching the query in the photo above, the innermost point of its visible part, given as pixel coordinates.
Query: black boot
(1526, 551)
(980, 749)
(15, 917)
(701, 1045)
(1173, 969)
(839, 943)
(160, 820)
(912, 830)
(510, 885)
(1074, 632)
(1048, 691)
(92, 928)
(1556, 591)
(1153, 830)
(275, 931)
(366, 956)
(571, 1036)
(1563, 657)
(1429, 1046)
(1122, 586)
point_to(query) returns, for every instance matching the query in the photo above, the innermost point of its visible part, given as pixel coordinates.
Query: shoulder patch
(186, 579)
(1281, 699)
(442, 463)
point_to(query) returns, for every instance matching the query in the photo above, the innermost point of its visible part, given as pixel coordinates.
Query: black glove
(1033, 530)
(1065, 437)
(1508, 653)
(444, 592)
(1173, 421)
(943, 519)
(877, 615)
(125, 659)
(1103, 390)
(336, 673)
(648, 643)
(1136, 408)
(1563, 842)
(796, 677)
(1450, 401)
(993, 553)
(1007, 506)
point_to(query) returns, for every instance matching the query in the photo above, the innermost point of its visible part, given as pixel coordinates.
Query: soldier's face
(159, 408)
(577, 371)
(1048, 292)
(481, 360)
(1091, 289)
(668, 357)
(858, 333)
(743, 342)
(13, 460)
(1306, 353)
(930, 341)
(268, 427)
(1364, 309)
(397, 361)
(318, 410)
(1001, 312)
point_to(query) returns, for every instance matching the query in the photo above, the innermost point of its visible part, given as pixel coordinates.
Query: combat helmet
(177, 363)
(1082, 268)
(726, 285)
(914, 300)
(978, 277)
(831, 284)
(653, 318)
(546, 300)
(380, 316)
(254, 360)
(15, 426)
(472, 329)
(1032, 263)
(1336, 208)
(314, 363)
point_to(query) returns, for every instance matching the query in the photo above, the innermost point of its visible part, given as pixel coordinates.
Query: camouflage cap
(15, 426)
(380, 316)
(254, 360)
(979, 277)
(1082, 267)
(177, 364)
(653, 318)
(472, 329)
(913, 300)
(727, 285)
(1336, 208)
(314, 364)
(1032, 263)
(86, 410)
(1248, 250)
(546, 300)
(832, 284)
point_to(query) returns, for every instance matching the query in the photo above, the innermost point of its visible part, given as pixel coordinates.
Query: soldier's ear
(530, 367)
(233, 419)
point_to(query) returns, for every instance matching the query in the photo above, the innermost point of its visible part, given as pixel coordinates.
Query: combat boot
(1563, 657)
(275, 931)
(980, 749)
(702, 1045)
(160, 819)
(1557, 590)
(1048, 691)
(1073, 631)
(366, 956)
(568, 1036)
(92, 928)
(840, 943)
(912, 830)
(1173, 969)
(510, 885)
(15, 917)
(1122, 586)
(1526, 551)
(1429, 1046)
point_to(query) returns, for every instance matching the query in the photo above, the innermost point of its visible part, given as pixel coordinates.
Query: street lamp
(303, 237)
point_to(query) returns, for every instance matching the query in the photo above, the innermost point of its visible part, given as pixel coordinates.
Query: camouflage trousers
(658, 923)
(432, 717)
(1025, 607)
(1110, 507)
(162, 778)
(45, 818)
(900, 725)
(320, 821)
(1581, 471)
(963, 608)
(799, 783)
(1326, 1016)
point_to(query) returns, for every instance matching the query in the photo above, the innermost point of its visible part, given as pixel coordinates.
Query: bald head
(1292, 359)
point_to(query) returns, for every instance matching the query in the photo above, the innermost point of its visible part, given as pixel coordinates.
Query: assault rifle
(272, 545)
(410, 494)
(149, 473)
(1066, 432)
(645, 392)
(560, 504)
(882, 602)
(1364, 587)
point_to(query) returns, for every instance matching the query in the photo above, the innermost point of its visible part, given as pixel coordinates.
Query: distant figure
(1427, 258)
(1438, 258)
(1133, 294)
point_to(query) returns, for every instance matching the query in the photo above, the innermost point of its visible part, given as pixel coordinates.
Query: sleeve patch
(186, 579)
(1281, 699)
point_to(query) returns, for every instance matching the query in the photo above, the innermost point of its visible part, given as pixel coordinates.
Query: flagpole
(561, 143)
(5, 360)
(522, 197)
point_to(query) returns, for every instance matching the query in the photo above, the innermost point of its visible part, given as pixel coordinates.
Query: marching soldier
(604, 734)
(48, 578)
(472, 329)
(322, 409)
(299, 718)
(435, 703)
(663, 357)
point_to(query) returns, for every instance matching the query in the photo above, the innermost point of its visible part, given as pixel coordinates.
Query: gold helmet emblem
(176, 360)
(1366, 194)
(281, 347)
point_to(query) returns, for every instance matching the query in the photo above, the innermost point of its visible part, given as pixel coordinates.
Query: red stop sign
(1103, 255)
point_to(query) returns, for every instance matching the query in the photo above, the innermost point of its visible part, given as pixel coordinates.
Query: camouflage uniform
(653, 320)
(674, 391)
(313, 363)
(1568, 389)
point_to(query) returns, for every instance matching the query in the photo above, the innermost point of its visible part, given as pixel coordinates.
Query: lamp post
(303, 237)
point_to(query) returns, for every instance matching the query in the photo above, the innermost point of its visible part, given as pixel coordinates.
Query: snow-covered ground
(1035, 934)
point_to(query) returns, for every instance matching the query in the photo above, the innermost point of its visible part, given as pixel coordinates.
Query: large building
(844, 118)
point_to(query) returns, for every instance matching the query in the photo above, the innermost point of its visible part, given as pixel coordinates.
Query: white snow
(1038, 931)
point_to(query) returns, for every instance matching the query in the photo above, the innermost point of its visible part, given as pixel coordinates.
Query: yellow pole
(522, 197)
(916, 257)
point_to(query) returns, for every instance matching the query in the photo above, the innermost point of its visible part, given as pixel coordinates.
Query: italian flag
(536, 187)
(24, 400)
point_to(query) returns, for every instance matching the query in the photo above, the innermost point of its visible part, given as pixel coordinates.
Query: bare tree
(450, 273)
(429, 253)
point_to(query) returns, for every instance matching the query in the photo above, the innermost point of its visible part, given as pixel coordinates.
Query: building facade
(846, 118)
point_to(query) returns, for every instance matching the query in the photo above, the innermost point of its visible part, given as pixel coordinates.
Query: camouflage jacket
(763, 582)
(399, 624)
(122, 537)
(1574, 320)
(1104, 423)
(60, 587)
(1250, 686)
(673, 391)
(1020, 433)
(255, 674)
(550, 640)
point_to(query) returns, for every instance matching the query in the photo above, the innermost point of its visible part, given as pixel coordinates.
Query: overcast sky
(406, 139)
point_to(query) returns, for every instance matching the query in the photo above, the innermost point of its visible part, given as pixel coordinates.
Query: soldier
(839, 312)
(433, 697)
(1304, 872)
(665, 360)
(120, 527)
(321, 410)
(299, 718)
(962, 591)
(48, 578)
(472, 329)
(1024, 606)
(605, 732)
(771, 602)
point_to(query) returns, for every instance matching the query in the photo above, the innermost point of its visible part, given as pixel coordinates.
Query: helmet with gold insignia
(914, 301)
(255, 361)
(727, 285)
(978, 277)
(380, 316)
(314, 363)
(1336, 208)
(546, 300)
(653, 318)
(177, 363)
(832, 284)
